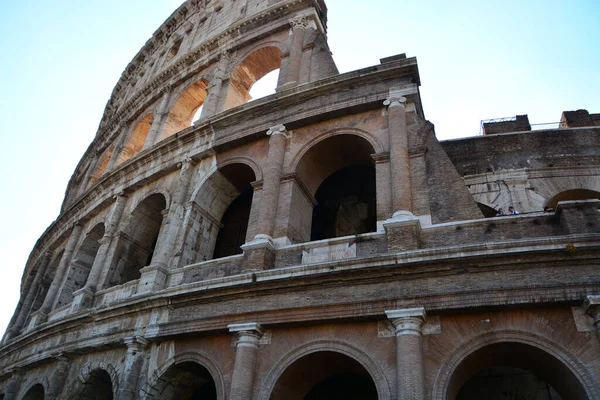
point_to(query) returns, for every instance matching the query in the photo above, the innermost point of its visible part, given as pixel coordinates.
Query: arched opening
(185, 109)
(101, 168)
(35, 393)
(220, 219)
(42, 289)
(98, 386)
(248, 72)
(136, 140)
(511, 370)
(185, 381)
(345, 204)
(81, 265)
(325, 375)
(138, 241)
(340, 173)
(265, 86)
(487, 211)
(575, 194)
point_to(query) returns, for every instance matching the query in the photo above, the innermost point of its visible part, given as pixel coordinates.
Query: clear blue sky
(478, 59)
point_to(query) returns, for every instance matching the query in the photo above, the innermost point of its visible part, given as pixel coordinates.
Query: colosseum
(316, 243)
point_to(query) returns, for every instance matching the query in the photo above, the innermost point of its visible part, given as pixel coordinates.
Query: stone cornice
(365, 270)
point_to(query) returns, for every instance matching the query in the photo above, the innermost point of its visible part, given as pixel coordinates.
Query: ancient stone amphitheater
(318, 243)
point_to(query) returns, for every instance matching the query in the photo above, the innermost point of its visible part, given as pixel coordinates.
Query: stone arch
(573, 194)
(375, 143)
(444, 388)
(338, 171)
(184, 105)
(137, 137)
(250, 67)
(101, 166)
(155, 388)
(81, 264)
(99, 377)
(384, 389)
(44, 286)
(36, 390)
(224, 192)
(138, 240)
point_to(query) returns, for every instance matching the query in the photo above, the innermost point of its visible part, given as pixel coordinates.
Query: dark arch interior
(232, 234)
(138, 242)
(325, 376)
(35, 393)
(185, 381)
(487, 211)
(81, 265)
(515, 371)
(97, 387)
(346, 204)
(575, 194)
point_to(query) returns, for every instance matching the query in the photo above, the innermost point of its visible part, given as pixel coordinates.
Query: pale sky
(478, 59)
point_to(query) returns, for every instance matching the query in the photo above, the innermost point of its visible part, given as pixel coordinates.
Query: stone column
(41, 315)
(384, 187)
(83, 297)
(591, 306)
(294, 62)
(134, 362)
(409, 352)
(399, 157)
(13, 386)
(213, 99)
(260, 252)
(248, 338)
(59, 378)
(272, 180)
(120, 143)
(29, 297)
(158, 118)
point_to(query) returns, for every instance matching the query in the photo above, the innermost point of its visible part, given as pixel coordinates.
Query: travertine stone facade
(318, 242)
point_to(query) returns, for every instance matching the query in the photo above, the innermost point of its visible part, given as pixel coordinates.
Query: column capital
(136, 343)
(300, 23)
(279, 130)
(186, 164)
(408, 321)
(395, 101)
(248, 335)
(591, 305)
(62, 357)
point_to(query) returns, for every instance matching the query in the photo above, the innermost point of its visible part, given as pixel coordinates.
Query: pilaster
(248, 339)
(410, 375)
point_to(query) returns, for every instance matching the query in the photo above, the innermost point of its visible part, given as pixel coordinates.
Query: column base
(286, 86)
(37, 318)
(82, 299)
(259, 254)
(10, 333)
(403, 231)
(154, 278)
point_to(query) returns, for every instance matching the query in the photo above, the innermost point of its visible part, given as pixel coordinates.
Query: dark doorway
(511, 370)
(235, 225)
(97, 387)
(185, 381)
(346, 204)
(35, 393)
(325, 375)
(503, 383)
